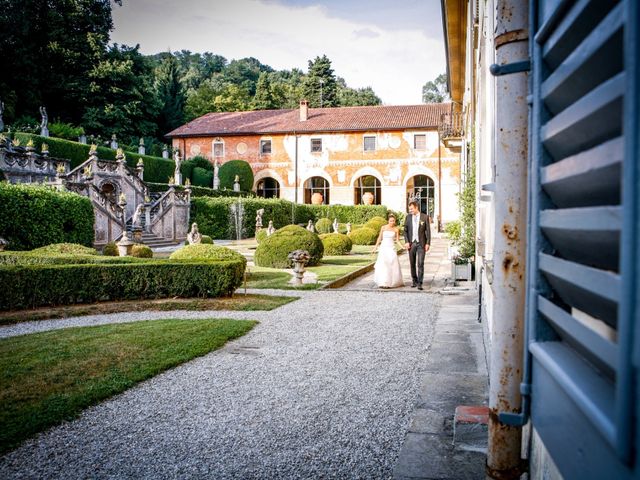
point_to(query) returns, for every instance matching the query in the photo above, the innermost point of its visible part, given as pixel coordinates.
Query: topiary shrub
(206, 252)
(141, 251)
(110, 250)
(363, 236)
(273, 250)
(230, 169)
(376, 223)
(207, 240)
(336, 244)
(33, 216)
(324, 225)
(261, 235)
(64, 248)
(202, 177)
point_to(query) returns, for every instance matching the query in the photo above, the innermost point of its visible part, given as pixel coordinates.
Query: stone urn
(124, 245)
(367, 198)
(299, 259)
(316, 199)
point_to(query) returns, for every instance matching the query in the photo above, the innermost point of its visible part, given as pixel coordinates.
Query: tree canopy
(435, 91)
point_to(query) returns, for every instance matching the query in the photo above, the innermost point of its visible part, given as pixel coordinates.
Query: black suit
(417, 249)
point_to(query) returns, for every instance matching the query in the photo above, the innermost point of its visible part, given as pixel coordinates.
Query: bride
(387, 268)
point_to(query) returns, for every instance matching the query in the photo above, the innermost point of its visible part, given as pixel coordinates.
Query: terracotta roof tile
(319, 120)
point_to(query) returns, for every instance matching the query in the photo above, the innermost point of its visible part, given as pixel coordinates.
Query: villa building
(349, 155)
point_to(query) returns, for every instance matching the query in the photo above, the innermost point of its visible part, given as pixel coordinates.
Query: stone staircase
(153, 241)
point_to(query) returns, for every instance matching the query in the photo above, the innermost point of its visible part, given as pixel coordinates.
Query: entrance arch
(316, 185)
(421, 188)
(268, 187)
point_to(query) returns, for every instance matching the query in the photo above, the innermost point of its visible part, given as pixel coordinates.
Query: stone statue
(194, 236)
(270, 229)
(335, 225)
(348, 228)
(141, 148)
(44, 131)
(216, 177)
(177, 175)
(259, 214)
(136, 221)
(236, 184)
(165, 151)
(1, 112)
(310, 226)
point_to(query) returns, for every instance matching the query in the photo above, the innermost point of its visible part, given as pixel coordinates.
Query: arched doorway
(421, 188)
(316, 185)
(367, 190)
(268, 188)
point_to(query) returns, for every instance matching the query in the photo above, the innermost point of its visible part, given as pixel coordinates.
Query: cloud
(395, 63)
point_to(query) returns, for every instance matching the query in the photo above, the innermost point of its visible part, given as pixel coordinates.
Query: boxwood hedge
(33, 216)
(30, 286)
(363, 236)
(274, 250)
(336, 244)
(230, 169)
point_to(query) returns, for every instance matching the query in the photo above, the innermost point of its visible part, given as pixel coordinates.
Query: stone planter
(461, 271)
(124, 246)
(367, 198)
(299, 259)
(316, 199)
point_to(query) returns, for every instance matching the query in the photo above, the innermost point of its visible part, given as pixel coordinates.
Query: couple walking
(417, 237)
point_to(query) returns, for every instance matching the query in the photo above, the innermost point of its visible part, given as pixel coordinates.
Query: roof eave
(454, 25)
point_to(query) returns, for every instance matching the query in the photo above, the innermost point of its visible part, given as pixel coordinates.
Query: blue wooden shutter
(582, 286)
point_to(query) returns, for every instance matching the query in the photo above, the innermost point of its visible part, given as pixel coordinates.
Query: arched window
(367, 191)
(268, 188)
(421, 188)
(316, 190)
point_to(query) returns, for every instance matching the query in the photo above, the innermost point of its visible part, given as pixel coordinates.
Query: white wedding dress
(387, 268)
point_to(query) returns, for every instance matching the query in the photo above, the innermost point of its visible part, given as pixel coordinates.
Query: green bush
(363, 236)
(207, 240)
(274, 250)
(110, 250)
(141, 251)
(202, 177)
(40, 285)
(33, 216)
(376, 223)
(207, 252)
(324, 225)
(198, 191)
(453, 231)
(65, 130)
(261, 235)
(64, 248)
(345, 213)
(155, 169)
(27, 258)
(230, 169)
(336, 244)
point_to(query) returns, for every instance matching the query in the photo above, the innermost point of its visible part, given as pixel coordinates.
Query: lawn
(250, 302)
(329, 269)
(50, 377)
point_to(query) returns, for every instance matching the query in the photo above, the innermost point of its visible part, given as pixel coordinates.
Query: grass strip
(240, 302)
(49, 377)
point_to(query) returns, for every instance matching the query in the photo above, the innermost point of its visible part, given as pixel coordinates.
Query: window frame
(264, 142)
(364, 143)
(415, 137)
(216, 143)
(311, 145)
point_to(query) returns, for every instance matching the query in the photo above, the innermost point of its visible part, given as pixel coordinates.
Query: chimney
(304, 110)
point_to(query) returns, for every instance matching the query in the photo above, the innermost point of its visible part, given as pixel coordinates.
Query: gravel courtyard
(321, 388)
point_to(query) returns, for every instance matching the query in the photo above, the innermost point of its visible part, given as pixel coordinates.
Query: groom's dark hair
(415, 204)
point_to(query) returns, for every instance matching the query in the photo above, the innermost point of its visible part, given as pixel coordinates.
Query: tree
(264, 99)
(216, 95)
(320, 86)
(170, 95)
(351, 97)
(435, 91)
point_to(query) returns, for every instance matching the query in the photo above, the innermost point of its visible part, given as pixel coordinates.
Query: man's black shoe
(413, 285)
(420, 287)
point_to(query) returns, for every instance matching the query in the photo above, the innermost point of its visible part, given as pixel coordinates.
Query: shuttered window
(583, 276)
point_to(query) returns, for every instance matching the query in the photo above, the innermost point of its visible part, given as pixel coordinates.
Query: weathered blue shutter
(583, 240)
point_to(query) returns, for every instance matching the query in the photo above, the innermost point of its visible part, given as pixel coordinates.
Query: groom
(417, 235)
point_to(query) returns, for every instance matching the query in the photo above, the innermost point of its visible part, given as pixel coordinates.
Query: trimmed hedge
(27, 258)
(273, 251)
(376, 223)
(207, 240)
(363, 236)
(228, 171)
(41, 285)
(110, 249)
(33, 216)
(261, 235)
(198, 191)
(206, 252)
(202, 177)
(336, 244)
(64, 248)
(324, 225)
(156, 169)
(214, 218)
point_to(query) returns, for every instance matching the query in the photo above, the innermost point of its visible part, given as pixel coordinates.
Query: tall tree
(170, 95)
(265, 98)
(320, 86)
(43, 47)
(351, 97)
(435, 91)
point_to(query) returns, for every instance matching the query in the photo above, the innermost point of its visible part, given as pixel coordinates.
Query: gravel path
(321, 388)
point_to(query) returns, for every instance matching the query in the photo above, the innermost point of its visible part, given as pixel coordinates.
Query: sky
(395, 47)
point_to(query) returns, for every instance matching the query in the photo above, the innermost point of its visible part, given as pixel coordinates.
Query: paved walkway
(339, 384)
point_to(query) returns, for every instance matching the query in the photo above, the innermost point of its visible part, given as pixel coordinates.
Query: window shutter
(583, 235)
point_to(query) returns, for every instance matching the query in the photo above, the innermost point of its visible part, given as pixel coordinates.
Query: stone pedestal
(124, 245)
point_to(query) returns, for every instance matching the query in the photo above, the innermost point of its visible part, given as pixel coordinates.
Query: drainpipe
(510, 209)
(439, 182)
(295, 199)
